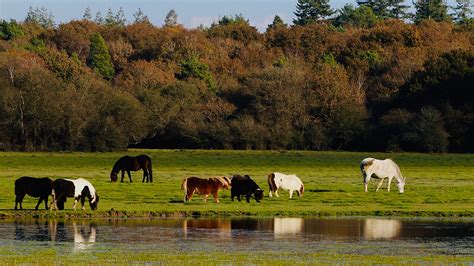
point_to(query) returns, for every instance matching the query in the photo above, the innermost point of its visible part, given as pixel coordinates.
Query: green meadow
(436, 184)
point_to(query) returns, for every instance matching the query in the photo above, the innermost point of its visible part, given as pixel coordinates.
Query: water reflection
(284, 227)
(381, 228)
(84, 233)
(220, 228)
(57, 231)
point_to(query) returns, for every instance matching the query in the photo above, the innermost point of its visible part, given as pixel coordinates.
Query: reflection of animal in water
(39, 231)
(244, 185)
(278, 181)
(204, 187)
(77, 189)
(83, 237)
(35, 187)
(381, 228)
(218, 227)
(128, 163)
(287, 226)
(381, 169)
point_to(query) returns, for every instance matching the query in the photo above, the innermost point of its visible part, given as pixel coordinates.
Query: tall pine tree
(436, 10)
(99, 57)
(398, 9)
(171, 18)
(462, 11)
(310, 11)
(277, 22)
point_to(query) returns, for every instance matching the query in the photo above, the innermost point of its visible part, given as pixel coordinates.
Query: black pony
(35, 187)
(128, 163)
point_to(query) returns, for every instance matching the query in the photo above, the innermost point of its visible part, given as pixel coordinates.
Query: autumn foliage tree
(363, 79)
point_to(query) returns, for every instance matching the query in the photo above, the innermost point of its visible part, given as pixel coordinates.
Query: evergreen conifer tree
(171, 18)
(431, 9)
(462, 11)
(310, 11)
(99, 57)
(87, 14)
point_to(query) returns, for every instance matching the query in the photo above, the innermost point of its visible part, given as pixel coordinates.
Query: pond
(298, 236)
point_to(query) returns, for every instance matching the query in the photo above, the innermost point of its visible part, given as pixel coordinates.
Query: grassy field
(437, 185)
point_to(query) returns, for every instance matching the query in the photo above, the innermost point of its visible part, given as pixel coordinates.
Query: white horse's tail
(184, 187)
(53, 205)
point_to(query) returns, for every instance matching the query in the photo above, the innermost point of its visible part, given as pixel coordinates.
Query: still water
(364, 236)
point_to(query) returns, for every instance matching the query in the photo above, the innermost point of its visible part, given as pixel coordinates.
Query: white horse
(381, 169)
(278, 181)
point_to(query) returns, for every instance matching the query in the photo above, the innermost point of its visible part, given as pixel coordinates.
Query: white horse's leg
(276, 193)
(75, 203)
(270, 193)
(389, 181)
(380, 184)
(291, 193)
(366, 181)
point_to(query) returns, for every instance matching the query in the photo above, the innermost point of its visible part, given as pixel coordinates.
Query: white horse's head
(401, 186)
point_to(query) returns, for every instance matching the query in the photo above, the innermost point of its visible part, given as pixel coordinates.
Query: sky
(191, 13)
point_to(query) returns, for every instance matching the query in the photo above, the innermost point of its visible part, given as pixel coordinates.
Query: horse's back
(287, 181)
(382, 168)
(34, 187)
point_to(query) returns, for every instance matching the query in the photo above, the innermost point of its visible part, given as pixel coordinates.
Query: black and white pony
(35, 187)
(381, 169)
(79, 189)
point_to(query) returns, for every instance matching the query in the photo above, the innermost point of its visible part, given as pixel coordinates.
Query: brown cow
(204, 187)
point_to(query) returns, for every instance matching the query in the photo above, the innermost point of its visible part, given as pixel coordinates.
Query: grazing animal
(128, 163)
(381, 169)
(287, 182)
(204, 187)
(35, 187)
(73, 188)
(244, 185)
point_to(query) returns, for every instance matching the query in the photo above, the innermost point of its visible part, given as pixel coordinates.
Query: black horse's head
(113, 176)
(93, 202)
(258, 195)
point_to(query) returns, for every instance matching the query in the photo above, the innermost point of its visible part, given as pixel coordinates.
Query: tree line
(363, 78)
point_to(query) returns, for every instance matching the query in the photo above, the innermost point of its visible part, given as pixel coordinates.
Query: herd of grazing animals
(80, 189)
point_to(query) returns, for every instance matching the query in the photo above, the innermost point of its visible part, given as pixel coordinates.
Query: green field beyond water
(436, 185)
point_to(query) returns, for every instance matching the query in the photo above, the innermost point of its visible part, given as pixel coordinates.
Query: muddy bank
(4, 214)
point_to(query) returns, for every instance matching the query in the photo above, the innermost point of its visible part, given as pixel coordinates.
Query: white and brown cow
(278, 181)
(73, 188)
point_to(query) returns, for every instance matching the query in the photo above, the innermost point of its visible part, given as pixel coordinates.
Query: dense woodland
(349, 79)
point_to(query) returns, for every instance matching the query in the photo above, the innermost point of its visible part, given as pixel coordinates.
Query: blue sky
(191, 13)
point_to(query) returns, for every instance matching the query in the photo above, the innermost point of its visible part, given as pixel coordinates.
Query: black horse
(128, 163)
(36, 187)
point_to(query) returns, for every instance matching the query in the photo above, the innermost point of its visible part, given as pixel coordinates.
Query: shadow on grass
(326, 190)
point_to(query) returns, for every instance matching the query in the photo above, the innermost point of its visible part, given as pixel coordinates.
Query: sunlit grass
(437, 185)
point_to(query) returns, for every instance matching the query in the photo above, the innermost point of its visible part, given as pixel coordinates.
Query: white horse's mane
(223, 179)
(399, 173)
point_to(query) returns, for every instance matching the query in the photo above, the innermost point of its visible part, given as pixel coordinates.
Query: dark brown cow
(128, 163)
(204, 187)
